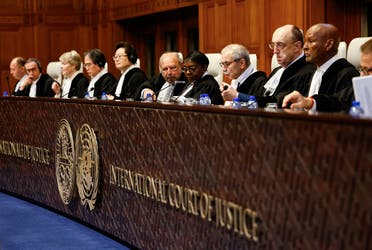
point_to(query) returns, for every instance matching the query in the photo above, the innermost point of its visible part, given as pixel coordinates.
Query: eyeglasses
(278, 45)
(86, 65)
(120, 56)
(172, 68)
(31, 70)
(227, 64)
(366, 71)
(191, 68)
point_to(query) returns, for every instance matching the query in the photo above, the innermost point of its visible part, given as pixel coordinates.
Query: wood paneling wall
(47, 28)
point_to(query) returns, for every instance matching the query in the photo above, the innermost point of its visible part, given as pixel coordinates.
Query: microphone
(161, 89)
(10, 90)
(169, 85)
(184, 90)
(267, 93)
(225, 87)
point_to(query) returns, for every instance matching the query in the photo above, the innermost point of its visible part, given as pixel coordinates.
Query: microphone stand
(10, 90)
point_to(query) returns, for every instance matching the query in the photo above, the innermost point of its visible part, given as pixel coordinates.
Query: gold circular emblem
(64, 161)
(87, 162)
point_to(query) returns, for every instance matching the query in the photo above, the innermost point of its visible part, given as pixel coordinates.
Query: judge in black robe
(298, 73)
(199, 81)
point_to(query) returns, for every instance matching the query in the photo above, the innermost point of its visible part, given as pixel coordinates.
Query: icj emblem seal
(64, 155)
(87, 162)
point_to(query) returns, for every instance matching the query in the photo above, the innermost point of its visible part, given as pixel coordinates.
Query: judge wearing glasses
(101, 80)
(365, 68)
(287, 43)
(199, 80)
(245, 80)
(37, 84)
(132, 77)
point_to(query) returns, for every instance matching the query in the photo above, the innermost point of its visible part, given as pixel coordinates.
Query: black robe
(336, 88)
(253, 85)
(106, 83)
(79, 86)
(298, 73)
(133, 79)
(43, 87)
(207, 85)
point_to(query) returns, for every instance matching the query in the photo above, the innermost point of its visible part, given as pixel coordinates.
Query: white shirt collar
(250, 70)
(297, 58)
(328, 63)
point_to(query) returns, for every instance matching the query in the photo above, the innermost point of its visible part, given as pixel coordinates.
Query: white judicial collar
(317, 77)
(66, 84)
(33, 87)
(235, 83)
(94, 80)
(119, 87)
(271, 85)
(165, 92)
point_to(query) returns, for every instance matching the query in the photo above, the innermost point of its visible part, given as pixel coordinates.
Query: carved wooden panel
(99, 24)
(305, 179)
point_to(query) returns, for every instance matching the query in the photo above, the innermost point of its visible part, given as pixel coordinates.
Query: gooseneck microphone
(184, 89)
(169, 85)
(10, 90)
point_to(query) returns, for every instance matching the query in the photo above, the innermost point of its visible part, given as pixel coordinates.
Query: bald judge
(330, 89)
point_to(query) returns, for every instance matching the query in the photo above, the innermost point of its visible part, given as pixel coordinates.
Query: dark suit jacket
(298, 73)
(106, 83)
(253, 85)
(43, 87)
(336, 89)
(207, 84)
(157, 82)
(79, 86)
(134, 78)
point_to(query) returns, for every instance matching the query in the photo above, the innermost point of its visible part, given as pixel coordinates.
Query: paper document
(363, 93)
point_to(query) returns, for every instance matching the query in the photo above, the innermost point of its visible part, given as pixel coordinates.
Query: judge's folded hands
(295, 100)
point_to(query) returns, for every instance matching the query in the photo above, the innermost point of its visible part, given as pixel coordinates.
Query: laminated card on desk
(363, 93)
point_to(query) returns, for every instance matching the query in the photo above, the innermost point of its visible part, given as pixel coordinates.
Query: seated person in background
(331, 87)
(101, 80)
(287, 43)
(36, 84)
(131, 75)
(73, 83)
(365, 68)
(163, 86)
(199, 81)
(18, 71)
(246, 80)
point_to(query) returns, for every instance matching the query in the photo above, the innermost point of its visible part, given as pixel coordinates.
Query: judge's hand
(149, 91)
(228, 93)
(110, 97)
(56, 88)
(295, 100)
(25, 83)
